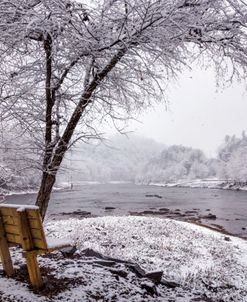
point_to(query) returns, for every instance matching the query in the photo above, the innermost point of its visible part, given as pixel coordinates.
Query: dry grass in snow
(202, 262)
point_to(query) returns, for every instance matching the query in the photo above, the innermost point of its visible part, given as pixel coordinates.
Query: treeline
(177, 163)
(119, 158)
(122, 158)
(233, 158)
(141, 160)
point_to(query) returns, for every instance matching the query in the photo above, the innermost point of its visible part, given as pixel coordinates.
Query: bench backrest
(22, 225)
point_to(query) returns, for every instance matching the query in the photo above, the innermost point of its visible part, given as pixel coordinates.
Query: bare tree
(66, 64)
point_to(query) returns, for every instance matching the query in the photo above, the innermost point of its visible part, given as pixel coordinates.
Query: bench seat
(57, 243)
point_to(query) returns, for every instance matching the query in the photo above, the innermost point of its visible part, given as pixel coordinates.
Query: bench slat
(8, 212)
(35, 223)
(37, 234)
(11, 226)
(14, 238)
(9, 220)
(31, 213)
(4, 252)
(11, 229)
(39, 244)
(34, 219)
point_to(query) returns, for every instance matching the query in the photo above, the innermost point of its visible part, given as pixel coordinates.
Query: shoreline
(148, 213)
(196, 221)
(220, 230)
(5, 194)
(204, 184)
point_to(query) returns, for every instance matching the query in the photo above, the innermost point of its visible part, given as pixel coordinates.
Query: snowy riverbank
(61, 186)
(205, 265)
(25, 191)
(206, 184)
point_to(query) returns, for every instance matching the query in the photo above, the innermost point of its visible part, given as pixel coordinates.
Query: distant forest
(142, 160)
(132, 158)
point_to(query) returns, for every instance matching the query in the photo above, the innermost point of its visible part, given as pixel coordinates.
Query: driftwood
(154, 276)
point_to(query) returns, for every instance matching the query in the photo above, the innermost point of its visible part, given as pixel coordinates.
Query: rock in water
(109, 208)
(209, 216)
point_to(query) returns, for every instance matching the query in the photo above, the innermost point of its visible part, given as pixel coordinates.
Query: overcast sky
(199, 114)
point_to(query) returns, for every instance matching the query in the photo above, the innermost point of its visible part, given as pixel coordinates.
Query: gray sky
(199, 114)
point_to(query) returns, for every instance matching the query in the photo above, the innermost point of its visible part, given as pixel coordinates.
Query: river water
(230, 207)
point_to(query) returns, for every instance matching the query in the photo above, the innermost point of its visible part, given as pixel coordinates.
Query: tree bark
(43, 198)
(48, 178)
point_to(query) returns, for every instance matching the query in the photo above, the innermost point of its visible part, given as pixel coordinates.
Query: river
(229, 207)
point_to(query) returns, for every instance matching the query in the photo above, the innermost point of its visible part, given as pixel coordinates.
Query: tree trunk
(56, 159)
(44, 193)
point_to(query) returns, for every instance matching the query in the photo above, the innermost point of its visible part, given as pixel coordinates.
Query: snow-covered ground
(205, 265)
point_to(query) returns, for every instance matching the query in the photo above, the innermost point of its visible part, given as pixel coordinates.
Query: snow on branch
(67, 65)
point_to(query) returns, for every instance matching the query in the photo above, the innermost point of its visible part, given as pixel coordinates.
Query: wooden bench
(22, 226)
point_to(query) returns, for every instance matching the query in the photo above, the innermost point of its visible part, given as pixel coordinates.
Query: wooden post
(4, 252)
(33, 269)
(27, 245)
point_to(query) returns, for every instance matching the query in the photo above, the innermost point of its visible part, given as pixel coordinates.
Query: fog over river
(197, 205)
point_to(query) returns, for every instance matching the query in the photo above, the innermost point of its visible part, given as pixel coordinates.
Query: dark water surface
(230, 207)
